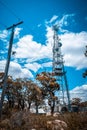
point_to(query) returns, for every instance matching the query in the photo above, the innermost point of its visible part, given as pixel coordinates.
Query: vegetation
(20, 91)
(22, 120)
(49, 86)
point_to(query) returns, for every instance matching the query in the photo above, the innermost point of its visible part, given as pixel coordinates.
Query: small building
(74, 108)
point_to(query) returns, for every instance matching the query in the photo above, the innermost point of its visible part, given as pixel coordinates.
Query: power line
(14, 14)
(10, 10)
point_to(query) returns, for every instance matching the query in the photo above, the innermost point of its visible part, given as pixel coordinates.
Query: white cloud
(33, 66)
(64, 20)
(47, 64)
(17, 32)
(3, 35)
(2, 65)
(79, 92)
(53, 18)
(73, 48)
(15, 70)
(49, 36)
(36, 66)
(27, 48)
(61, 22)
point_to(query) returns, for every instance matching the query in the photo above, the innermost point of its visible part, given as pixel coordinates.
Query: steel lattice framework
(58, 66)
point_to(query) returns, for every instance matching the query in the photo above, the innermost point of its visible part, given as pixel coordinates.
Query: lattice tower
(58, 67)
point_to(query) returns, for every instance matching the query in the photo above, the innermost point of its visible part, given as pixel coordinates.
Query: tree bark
(36, 107)
(52, 107)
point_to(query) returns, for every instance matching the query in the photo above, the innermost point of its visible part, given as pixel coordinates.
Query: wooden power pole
(7, 65)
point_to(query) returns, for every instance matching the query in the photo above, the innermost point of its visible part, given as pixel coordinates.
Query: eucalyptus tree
(75, 101)
(49, 86)
(19, 85)
(8, 95)
(34, 94)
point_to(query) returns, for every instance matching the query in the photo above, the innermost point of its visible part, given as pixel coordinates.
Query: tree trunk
(52, 107)
(52, 102)
(29, 105)
(36, 107)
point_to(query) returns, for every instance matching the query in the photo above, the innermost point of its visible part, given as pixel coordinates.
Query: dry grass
(27, 121)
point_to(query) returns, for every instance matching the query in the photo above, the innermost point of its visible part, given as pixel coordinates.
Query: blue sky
(33, 38)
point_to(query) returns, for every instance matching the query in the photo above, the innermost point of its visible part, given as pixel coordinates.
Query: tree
(10, 92)
(34, 94)
(19, 93)
(83, 104)
(76, 101)
(9, 89)
(48, 86)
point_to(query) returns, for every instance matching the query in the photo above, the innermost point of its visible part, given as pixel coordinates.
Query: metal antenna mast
(58, 65)
(7, 65)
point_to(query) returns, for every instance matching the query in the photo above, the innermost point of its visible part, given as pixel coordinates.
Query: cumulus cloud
(17, 32)
(28, 48)
(2, 65)
(73, 48)
(15, 70)
(49, 36)
(47, 64)
(79, 92)
(33, 66)
(3, 35)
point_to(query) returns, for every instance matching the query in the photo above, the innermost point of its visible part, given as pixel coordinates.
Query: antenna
(58, 66)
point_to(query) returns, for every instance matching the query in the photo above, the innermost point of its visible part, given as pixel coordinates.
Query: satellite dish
(59, 44)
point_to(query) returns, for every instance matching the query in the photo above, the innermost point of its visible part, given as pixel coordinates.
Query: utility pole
(7, 65)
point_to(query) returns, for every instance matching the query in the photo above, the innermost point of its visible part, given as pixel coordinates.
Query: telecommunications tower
(58, 67)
